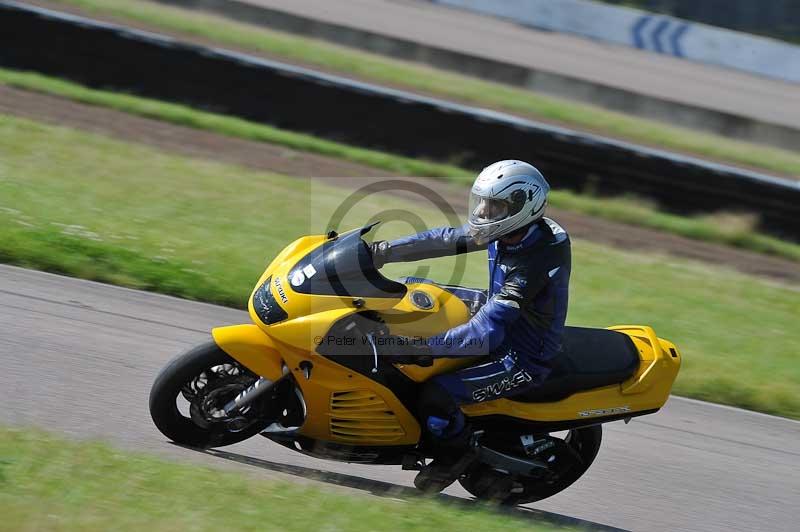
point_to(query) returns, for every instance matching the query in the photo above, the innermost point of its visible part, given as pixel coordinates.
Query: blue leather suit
(519, 328)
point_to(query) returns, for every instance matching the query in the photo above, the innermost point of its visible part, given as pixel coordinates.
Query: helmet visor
(486, 210)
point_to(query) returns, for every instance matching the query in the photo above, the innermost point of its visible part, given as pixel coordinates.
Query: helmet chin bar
(484, 234)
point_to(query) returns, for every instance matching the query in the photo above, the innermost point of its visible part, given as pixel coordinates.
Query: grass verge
(48, 483)
(225, 125)
(84, 205)
(623, 210)
(419, 78)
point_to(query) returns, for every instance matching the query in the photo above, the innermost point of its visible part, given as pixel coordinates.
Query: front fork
(253, 392)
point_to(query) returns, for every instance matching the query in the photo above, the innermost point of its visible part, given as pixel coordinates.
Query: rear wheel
(567, 458)
(187, 399)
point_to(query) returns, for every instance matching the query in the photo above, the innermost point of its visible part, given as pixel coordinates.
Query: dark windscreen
(344, 267)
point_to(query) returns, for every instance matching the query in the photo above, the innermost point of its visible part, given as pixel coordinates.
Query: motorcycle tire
(487, 484)
(169, 384)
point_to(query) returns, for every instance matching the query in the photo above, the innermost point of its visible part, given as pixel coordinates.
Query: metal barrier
(113, 57)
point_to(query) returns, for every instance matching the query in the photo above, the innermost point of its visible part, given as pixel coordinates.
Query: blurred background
(177, 146)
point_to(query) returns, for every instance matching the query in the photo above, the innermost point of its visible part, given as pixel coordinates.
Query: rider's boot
(453, 453)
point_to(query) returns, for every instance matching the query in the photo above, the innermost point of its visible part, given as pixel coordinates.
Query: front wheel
(568, 458)
(188, 395)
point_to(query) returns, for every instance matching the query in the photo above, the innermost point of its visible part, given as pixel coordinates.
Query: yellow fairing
(648, 389)
(250, 346)
(310, 315)
(342, 406)
(406, 319)
(348, 407)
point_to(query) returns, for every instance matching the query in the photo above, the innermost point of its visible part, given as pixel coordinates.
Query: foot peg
(412, 462)
(439, 474)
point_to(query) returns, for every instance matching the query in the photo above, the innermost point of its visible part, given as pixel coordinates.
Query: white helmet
(506, 196)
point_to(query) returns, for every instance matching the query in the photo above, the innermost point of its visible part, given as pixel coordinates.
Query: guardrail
(114, 57)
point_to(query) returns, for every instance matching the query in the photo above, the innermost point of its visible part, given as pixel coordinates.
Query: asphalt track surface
(79, 358)
(647, 73)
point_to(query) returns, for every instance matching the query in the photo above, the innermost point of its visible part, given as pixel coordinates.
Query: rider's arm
(438, 242)
(487, 329)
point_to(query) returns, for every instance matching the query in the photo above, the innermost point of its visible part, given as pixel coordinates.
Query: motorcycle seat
(590, 358)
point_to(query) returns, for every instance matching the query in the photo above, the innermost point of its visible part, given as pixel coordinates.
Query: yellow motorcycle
(307, 375)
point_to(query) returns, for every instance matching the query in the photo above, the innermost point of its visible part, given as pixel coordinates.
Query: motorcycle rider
(520, 326)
